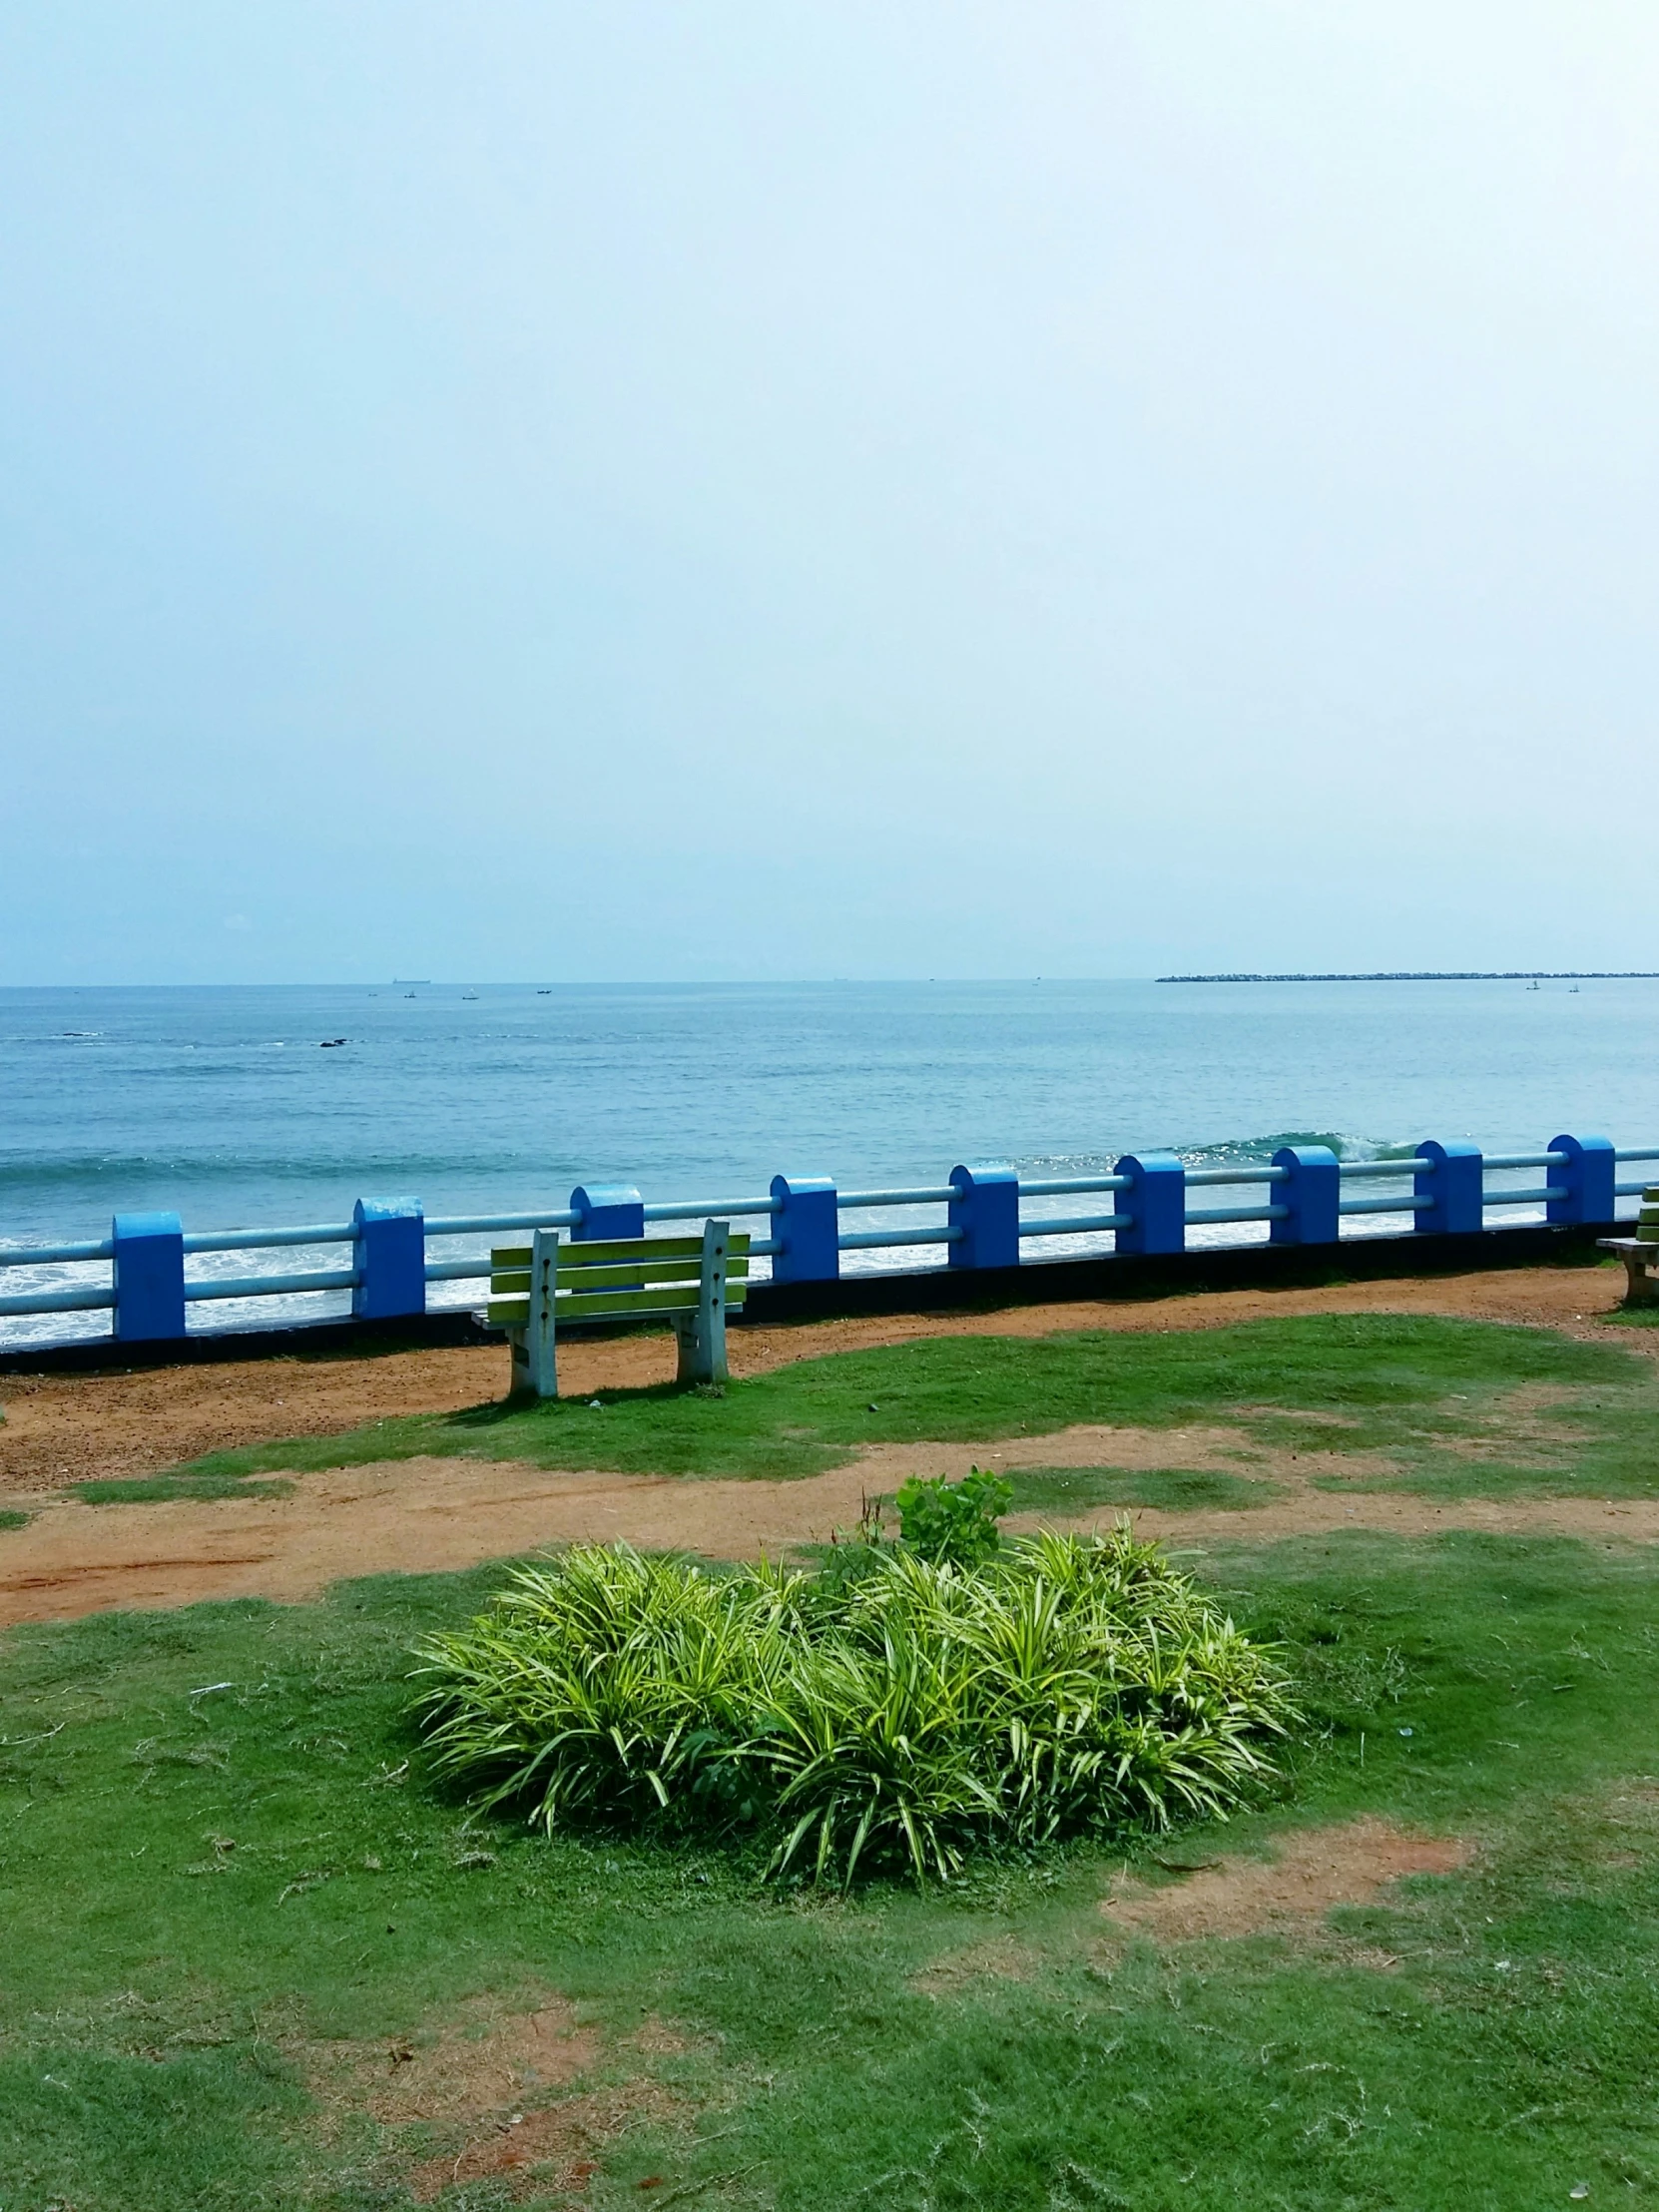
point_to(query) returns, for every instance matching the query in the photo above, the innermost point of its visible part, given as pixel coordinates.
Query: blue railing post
(1156, 1202)
(1452, 1177)
(1587, 1180)
(806, 1227)
(986, 1211)
(389, 1254)
(606, 1210)
(1311, 1191)
(149, 1276)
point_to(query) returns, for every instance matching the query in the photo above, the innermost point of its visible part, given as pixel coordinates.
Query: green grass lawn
(1071, 1491)
(222, 1871)
(1438, 1396)
(227, 1885)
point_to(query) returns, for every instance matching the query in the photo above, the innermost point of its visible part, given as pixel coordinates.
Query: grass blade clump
(1067, 1683)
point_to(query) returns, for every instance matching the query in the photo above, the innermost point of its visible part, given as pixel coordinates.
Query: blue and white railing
(1308, 1192)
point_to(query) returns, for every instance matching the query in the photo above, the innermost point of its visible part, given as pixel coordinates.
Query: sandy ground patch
(483, 2058)
(488, 2079)
(1314, 1870)
(533, 2153)
(430, 1515)
(61, 1429)
(997, 1958)
(554, 2149)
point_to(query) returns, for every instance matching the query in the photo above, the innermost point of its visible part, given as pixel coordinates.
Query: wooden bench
(1639, 1253)
(540, 1288)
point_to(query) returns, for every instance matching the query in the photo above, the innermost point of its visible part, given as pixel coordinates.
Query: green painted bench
(1640, 1253)
(540, 1288)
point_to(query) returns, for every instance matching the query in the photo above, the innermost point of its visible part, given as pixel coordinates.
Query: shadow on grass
(1069, 1490)
(524, 1406)
(168, 1490)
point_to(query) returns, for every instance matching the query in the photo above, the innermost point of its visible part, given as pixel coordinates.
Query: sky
(546, 492)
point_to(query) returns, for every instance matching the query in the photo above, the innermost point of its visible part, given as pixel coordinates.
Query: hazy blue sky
(787, 489)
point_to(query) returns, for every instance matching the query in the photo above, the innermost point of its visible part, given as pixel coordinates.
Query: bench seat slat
(606, 1252)
(629, 1275)
(604, 1305)
(514, 1312)
(602, 1254)
(593, 1305)
(648, 1252)
(626, 1275)
(653, 1249)
(517, 1284)
(633, 1275)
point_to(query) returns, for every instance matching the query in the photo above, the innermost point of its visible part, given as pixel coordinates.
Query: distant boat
(541, 993)
(408, 994)
(469, 995)
(1532, 986)
(328, 1044)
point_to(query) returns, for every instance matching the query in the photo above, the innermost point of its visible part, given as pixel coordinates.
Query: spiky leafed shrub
(1069, 1683)
(607, 1685)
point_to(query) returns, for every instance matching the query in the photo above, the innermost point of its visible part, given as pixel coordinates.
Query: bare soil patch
(434, 1515)
(489, 2079)
(62, 1430)
(554, 2150)
(1315, 1870)
(483, 2058)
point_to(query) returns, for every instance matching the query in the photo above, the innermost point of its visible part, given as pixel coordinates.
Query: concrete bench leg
(535, 1367)
(1642, 1289)
(702, 1334)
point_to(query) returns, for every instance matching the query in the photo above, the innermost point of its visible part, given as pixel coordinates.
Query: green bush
(953, 1522)
(1067, 1684)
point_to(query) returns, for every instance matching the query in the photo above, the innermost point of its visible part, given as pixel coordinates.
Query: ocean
(234, 1106)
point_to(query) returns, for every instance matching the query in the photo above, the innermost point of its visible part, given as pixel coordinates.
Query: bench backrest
(620, 1280)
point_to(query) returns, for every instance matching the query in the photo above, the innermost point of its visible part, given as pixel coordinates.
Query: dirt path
(61, 1429)
(431, 1514)
(427, 1515)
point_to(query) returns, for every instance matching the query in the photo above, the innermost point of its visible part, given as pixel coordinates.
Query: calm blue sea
(227, 1105)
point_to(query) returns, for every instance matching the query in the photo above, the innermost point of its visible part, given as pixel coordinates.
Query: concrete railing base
(941, 1290)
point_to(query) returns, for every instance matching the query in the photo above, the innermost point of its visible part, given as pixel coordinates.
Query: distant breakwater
(1442, 975)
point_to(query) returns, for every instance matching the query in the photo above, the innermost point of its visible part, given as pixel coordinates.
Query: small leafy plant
(953, 1523)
